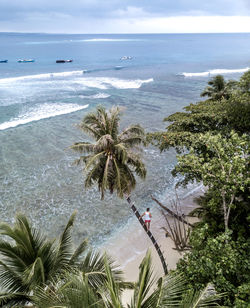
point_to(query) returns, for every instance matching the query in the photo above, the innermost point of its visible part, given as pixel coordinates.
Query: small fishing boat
(25, 60)
(3, 61)
(126, 58)
(118, 67)
(63, 61)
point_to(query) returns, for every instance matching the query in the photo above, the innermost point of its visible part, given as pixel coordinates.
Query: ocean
(42, 102)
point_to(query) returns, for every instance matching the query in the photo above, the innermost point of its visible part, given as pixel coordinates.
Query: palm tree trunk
(150, 235)
(180, 218)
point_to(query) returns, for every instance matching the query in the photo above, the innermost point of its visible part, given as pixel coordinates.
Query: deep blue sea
(42, 102)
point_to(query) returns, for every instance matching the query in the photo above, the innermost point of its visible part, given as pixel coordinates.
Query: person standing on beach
(148, 217)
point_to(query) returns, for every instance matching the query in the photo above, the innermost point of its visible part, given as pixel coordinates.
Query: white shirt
(147, 216)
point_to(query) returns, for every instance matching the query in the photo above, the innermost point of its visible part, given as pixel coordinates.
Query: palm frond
(83, 147)
(34, 274)
(173, 287)
(132, 130)
(74, 292)
(104, 143)
(132, 141)
(118, 179)
(121, 152)
(93, 175)
(205, 298)
(64, 250)
(10, 279)
(111, 294)
(93, 159)
(105, 175)
(14, 299)
(145, 282)
(93, 266)
(12, 255)
(154, 300)
(80, 249)
(114, 121)
(138, 165)
(90, 130)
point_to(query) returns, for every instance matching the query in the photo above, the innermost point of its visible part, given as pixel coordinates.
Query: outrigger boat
(63, 61)
(25, 60)
(3, 61)
(126, 58)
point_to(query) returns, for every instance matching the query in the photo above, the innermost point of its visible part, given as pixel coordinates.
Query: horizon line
(109, 33)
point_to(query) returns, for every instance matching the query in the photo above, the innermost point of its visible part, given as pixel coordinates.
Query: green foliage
(30, 260)
(113, 160)
(229, 112)
(209, 212)
(71, 292)
(169, 291)
(219, 260)
(212, 136)
(218, 88)
(243, 296)
(244, 83)
(223, 169)
(76, 281)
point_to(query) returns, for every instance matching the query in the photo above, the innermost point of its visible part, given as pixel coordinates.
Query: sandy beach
(129, 246)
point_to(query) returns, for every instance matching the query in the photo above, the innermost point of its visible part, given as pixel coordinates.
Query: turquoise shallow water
(41, 102)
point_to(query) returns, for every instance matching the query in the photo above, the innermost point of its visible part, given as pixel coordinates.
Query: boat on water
(126, 58)
(118, 67)
(25, 60)
(3, 61)
(64, 61)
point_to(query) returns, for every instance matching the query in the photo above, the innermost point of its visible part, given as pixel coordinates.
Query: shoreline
(128, 246)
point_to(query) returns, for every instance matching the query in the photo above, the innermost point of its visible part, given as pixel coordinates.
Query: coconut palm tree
(168, 292)
(114, 159)
(73, 291)
(29, 259)
(111, 161)
(218, 88)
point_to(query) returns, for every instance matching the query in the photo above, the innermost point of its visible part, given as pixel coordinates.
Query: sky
(125, 16)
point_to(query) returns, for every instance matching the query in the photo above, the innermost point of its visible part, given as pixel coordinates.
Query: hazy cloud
(55, 15)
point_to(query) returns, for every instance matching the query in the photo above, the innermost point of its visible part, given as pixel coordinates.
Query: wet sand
(129, 246)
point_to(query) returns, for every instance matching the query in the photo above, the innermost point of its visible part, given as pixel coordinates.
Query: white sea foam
(41, 76)
(40, 112)
(82, 41)
(95, 96)
(109, 40)
(106, 82)
(216, 72)
(90, 82)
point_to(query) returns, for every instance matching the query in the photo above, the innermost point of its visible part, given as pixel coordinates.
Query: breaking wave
(83, 41)
(106, 82)
(215, 72)
(41, 76)
(78, 78)
(95, 96)
(40, 112)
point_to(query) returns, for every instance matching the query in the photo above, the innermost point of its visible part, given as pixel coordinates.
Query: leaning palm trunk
(150, 235)
(178, 217)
